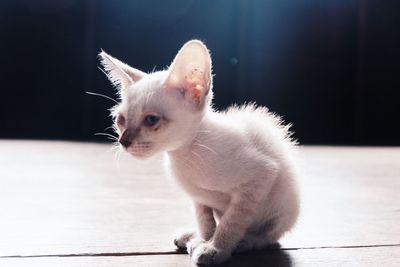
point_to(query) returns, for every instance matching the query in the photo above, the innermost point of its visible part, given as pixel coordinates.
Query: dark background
(331, 67)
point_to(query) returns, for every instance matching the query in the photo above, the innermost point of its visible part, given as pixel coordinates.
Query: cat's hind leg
(251, 242)
(267, 234)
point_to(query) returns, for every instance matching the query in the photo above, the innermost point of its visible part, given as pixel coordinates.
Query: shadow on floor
(266, 257)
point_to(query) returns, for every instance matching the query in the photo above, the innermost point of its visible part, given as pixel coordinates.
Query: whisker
(112, 137)
(184, 162)
(114, 147)
(97, 94)
(103, 71)
(110, 128)
(117, 152)
(196, 167)
(190, 164)
(198, 156)
(118, 155)
(206, 147)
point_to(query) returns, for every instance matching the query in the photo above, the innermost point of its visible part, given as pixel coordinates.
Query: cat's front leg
(183, 237)
(206, 227)
(205, 221)
(230, 230)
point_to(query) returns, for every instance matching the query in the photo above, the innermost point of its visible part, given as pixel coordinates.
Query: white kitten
(235, 165)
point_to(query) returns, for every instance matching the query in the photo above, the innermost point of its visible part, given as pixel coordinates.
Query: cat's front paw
(182, 238)
(193, 244)
(206, 253)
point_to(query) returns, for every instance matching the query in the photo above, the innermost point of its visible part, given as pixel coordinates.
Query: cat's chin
(140, 150)
(140, 155)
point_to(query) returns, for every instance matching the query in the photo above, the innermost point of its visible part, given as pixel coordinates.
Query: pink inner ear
(195, 80)
(191, 71)
(196, 92)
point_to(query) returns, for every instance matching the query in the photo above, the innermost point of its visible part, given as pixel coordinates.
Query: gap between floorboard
(121, 254)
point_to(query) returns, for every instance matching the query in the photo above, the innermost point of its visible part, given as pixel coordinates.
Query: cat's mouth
(140, 149)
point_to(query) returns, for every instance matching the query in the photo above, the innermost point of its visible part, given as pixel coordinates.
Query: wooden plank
(62, 198)
(73, 198)
(350, 196)
(381, 256)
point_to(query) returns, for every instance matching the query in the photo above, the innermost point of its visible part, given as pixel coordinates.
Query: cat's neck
(202, 130)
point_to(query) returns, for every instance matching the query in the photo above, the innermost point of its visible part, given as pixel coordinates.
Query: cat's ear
(190, 72)
(120, 74)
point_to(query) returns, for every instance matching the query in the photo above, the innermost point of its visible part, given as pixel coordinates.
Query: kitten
(235, 165)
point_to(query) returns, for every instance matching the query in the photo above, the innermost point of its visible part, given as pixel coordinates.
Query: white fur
(236, 165)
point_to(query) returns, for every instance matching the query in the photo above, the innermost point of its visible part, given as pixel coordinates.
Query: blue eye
(151, 120)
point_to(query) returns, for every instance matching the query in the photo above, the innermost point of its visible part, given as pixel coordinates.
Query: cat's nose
(127, 137)
(125, 143)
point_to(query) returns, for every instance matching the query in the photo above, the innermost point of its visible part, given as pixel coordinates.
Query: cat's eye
(151, 120)
(120, 120)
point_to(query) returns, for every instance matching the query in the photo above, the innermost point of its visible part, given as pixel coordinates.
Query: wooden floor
(80, 204)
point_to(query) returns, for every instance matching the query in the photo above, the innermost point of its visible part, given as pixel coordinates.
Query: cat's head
(161, 111)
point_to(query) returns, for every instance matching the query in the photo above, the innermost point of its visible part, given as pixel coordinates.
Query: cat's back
(262, 127)
(247, 130)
